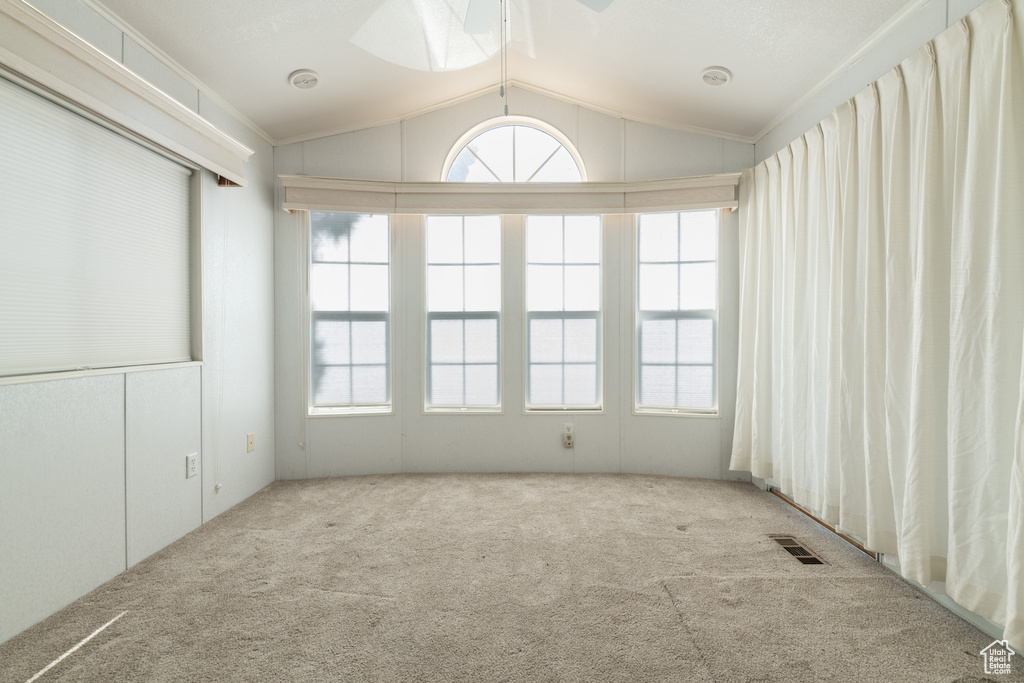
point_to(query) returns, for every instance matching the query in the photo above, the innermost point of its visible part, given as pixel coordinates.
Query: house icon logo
(997, 657)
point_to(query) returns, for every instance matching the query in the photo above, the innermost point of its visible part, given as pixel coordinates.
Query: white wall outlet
(568, 438)
(250, 442)
(191, 465)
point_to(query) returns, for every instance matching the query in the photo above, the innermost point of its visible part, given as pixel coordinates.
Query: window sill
(94, 372)
(678, 412)
(351, 411)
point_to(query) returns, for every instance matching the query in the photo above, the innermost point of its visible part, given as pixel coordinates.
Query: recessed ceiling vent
(716, 75)
(304, 79)
(797, 549)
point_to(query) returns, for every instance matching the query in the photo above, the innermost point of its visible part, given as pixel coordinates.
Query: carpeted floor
(504, 578)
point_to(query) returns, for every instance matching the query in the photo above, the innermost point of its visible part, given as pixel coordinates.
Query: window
(350, 312)
(518, 153)
(563, 303)
(677, 311)
(463, 312)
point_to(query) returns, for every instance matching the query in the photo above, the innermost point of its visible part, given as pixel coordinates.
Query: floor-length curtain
(881, 370)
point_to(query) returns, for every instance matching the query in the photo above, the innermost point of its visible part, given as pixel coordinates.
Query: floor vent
(797, 549)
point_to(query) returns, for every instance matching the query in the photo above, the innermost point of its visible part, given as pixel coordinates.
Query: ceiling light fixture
(304, 79)
(716, 75)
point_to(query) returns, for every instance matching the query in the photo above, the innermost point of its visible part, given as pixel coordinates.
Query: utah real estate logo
(997, 657)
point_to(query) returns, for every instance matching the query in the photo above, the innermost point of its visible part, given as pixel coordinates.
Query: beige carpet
(504, 578)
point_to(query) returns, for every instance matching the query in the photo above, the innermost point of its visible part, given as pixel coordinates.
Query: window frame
(351, 409)
(598, 316)
(514, 120)
(715, 411)
(428, 316)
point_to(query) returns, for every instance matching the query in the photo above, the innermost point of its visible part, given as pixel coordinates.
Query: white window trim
(566, 410)
(500, 121)
(311, 410)
(712, 413)
(427, 407)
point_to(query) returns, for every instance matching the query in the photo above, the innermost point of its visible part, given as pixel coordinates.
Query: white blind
(94, 244)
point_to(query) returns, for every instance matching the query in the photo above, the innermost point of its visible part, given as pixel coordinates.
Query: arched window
(513, 150)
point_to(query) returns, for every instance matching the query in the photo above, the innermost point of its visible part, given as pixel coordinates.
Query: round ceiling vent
(716, 75)
(304, 79)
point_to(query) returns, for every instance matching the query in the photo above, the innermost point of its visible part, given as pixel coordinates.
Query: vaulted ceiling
(379, 60)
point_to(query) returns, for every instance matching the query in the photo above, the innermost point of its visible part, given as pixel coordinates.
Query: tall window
(677, 311)
(463, 312)
(350, 304)
(514, 153)
(563, 302)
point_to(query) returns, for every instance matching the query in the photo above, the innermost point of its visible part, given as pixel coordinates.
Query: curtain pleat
(881, 369)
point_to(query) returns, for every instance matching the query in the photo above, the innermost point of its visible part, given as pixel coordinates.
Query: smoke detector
(716, 75)
(304, 79)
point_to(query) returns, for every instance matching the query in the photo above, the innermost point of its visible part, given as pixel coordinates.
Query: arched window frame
(500, 121)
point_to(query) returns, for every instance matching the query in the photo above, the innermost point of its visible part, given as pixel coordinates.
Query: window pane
(532, 149)
(444, 288)
(582, 239)
(580, 341)
(699, 286)
(446, 385)
(369, 384)
(544, 288)
(695, 387)
(481, 385)
(444, 239)
(369, 240)
(332, 386)
(699, 236)
(494, 147)
(657, 341)
(659, 287)
(446, 341)
(481, 341)
(658, 385)
(582, 288)
(545, 341)
(483, 239)
(370, 288)
(331, 343)
(328, 287)
(546, 385)
(561, 168)
(580, 385)
(329, 233)
(659, 237)
(696, 341)
(483, 288)
(544, 239)
(467, 168)
(369, 342)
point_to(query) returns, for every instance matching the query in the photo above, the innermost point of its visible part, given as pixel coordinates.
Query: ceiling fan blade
(481, 16)
(596, 5)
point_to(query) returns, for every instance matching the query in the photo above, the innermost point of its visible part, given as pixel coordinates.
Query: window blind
(94, 228)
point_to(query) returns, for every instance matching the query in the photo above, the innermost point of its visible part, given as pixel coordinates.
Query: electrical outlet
(250, 442)
(568, 438)
(191, 465)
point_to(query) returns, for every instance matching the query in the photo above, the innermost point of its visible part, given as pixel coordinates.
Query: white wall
(615, 440)
(92, 465)
(929, 21)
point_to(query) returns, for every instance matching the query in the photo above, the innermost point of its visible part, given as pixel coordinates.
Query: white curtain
(880, 377)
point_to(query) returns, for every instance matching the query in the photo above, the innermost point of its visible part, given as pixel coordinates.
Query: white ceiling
(382, 59)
